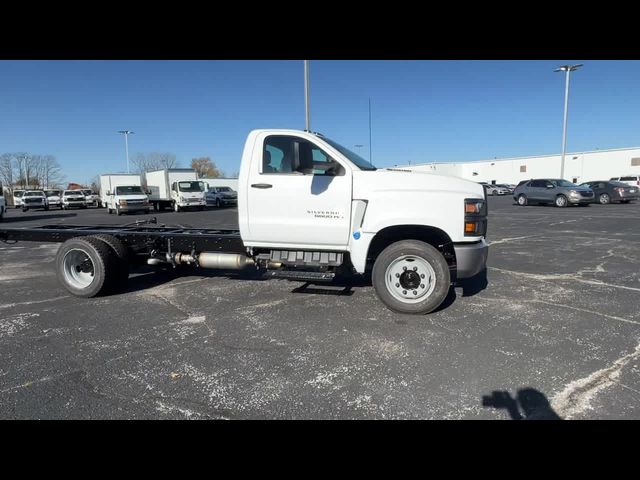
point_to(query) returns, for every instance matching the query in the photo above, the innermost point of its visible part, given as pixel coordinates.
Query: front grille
(134, 202)
(193, 200)
(33, 200)
(586, 194)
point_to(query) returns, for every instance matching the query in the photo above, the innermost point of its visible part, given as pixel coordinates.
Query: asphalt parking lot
(556, 330)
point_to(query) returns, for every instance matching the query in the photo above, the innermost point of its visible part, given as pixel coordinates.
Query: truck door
(298, 194)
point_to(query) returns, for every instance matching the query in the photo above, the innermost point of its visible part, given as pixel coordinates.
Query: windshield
(360, 162)
(52, 193)
(563, 183)
(132, 190)
(223, 189)
(87, 192)
(191, 186)
(73, 192)
(18, 193)
(619, 184)
(34, 194)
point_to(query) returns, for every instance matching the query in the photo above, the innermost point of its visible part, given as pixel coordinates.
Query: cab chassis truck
(309, 210)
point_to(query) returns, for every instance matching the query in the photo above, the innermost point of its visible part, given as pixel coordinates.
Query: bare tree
(8, 172)
(149, 162)
(205, 168)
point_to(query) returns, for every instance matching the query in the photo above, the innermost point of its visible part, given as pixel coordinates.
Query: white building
(579, 167)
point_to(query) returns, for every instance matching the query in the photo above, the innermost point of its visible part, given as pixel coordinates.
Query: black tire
(604, 199)
(103, 260)
(25, 210)
(46, 209)
(122, 254)
(561, 201)
(625, 201)
(1, 215)
(522, 200)
(428, 254)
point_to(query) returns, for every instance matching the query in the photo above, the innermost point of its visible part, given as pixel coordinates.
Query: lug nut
(397, 285)
(404, 292)
(397, 275)
(415, 269)
(422, 276)
(422, 285)
(404, 268)
(415, 292)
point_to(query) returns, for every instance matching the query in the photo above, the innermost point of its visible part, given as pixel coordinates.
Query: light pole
(568, 69)
(307, 122)
(370, 154)
(126, 134)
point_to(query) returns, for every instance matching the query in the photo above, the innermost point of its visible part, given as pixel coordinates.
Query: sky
(422, 111)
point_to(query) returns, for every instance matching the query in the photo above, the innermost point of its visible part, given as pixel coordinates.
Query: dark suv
(559, 192)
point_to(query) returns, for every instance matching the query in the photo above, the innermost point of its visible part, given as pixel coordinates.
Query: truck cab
(303, 193)
(188, 193)
(91, 198)
(127, 199)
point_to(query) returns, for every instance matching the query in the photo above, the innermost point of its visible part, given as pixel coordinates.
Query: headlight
(122, 203)
(573, 192)
(145, 201)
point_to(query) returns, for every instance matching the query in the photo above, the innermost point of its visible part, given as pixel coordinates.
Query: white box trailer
(176, 188)
(109, 181)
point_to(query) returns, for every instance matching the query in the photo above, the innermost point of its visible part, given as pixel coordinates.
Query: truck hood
(406, 181)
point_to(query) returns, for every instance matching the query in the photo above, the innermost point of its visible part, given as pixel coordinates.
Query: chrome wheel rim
(604, 199)
(410, 279)
(78, 268)
(561, 201)
(521, 200)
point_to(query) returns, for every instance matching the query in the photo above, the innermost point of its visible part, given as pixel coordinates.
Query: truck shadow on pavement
(28, 218)
(528, 404)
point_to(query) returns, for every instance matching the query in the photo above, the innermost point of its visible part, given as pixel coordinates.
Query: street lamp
(568, 69)
(126, 134)
(307, 118)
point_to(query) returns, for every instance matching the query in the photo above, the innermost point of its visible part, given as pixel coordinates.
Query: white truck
(176, 188)
(122, 193)
(309, 210)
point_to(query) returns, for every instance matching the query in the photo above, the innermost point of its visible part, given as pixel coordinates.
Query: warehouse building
(579, 167)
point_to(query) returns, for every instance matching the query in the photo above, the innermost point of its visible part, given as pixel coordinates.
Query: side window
(601, 185)
(290, 155)
(538, 184)
(278, 154)
(173, 187)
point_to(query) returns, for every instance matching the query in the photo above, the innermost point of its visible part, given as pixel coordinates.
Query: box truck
(122, 193)
(176, 188)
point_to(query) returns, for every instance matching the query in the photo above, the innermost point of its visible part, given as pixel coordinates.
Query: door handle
(261, 185)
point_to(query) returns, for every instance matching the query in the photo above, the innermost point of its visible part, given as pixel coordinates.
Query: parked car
(91, 199)
(508, 188)
(73, 198)
(556, 191)
(220, 196)
(631, 180)
(494, 189)
(17, 198)
(34, 199)
(3, 207)
(54, 198)
(611, 191)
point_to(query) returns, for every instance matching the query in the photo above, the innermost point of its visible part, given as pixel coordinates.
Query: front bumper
(577, 200)
(471, 258)
(133, 208)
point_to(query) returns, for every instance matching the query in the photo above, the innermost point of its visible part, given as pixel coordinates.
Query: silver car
(556, 191)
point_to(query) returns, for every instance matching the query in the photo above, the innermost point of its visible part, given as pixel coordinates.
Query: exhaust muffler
(222, 261)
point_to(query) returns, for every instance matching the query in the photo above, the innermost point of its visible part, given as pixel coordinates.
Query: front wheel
(522, 200)
(561, 201)
(411, 276)
(604, 199)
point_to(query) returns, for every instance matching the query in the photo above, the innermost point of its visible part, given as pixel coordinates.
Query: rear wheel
(122, 254)
(561, 201)
(604, 199)
(86, 266)
(411, 276)
(522, 200)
